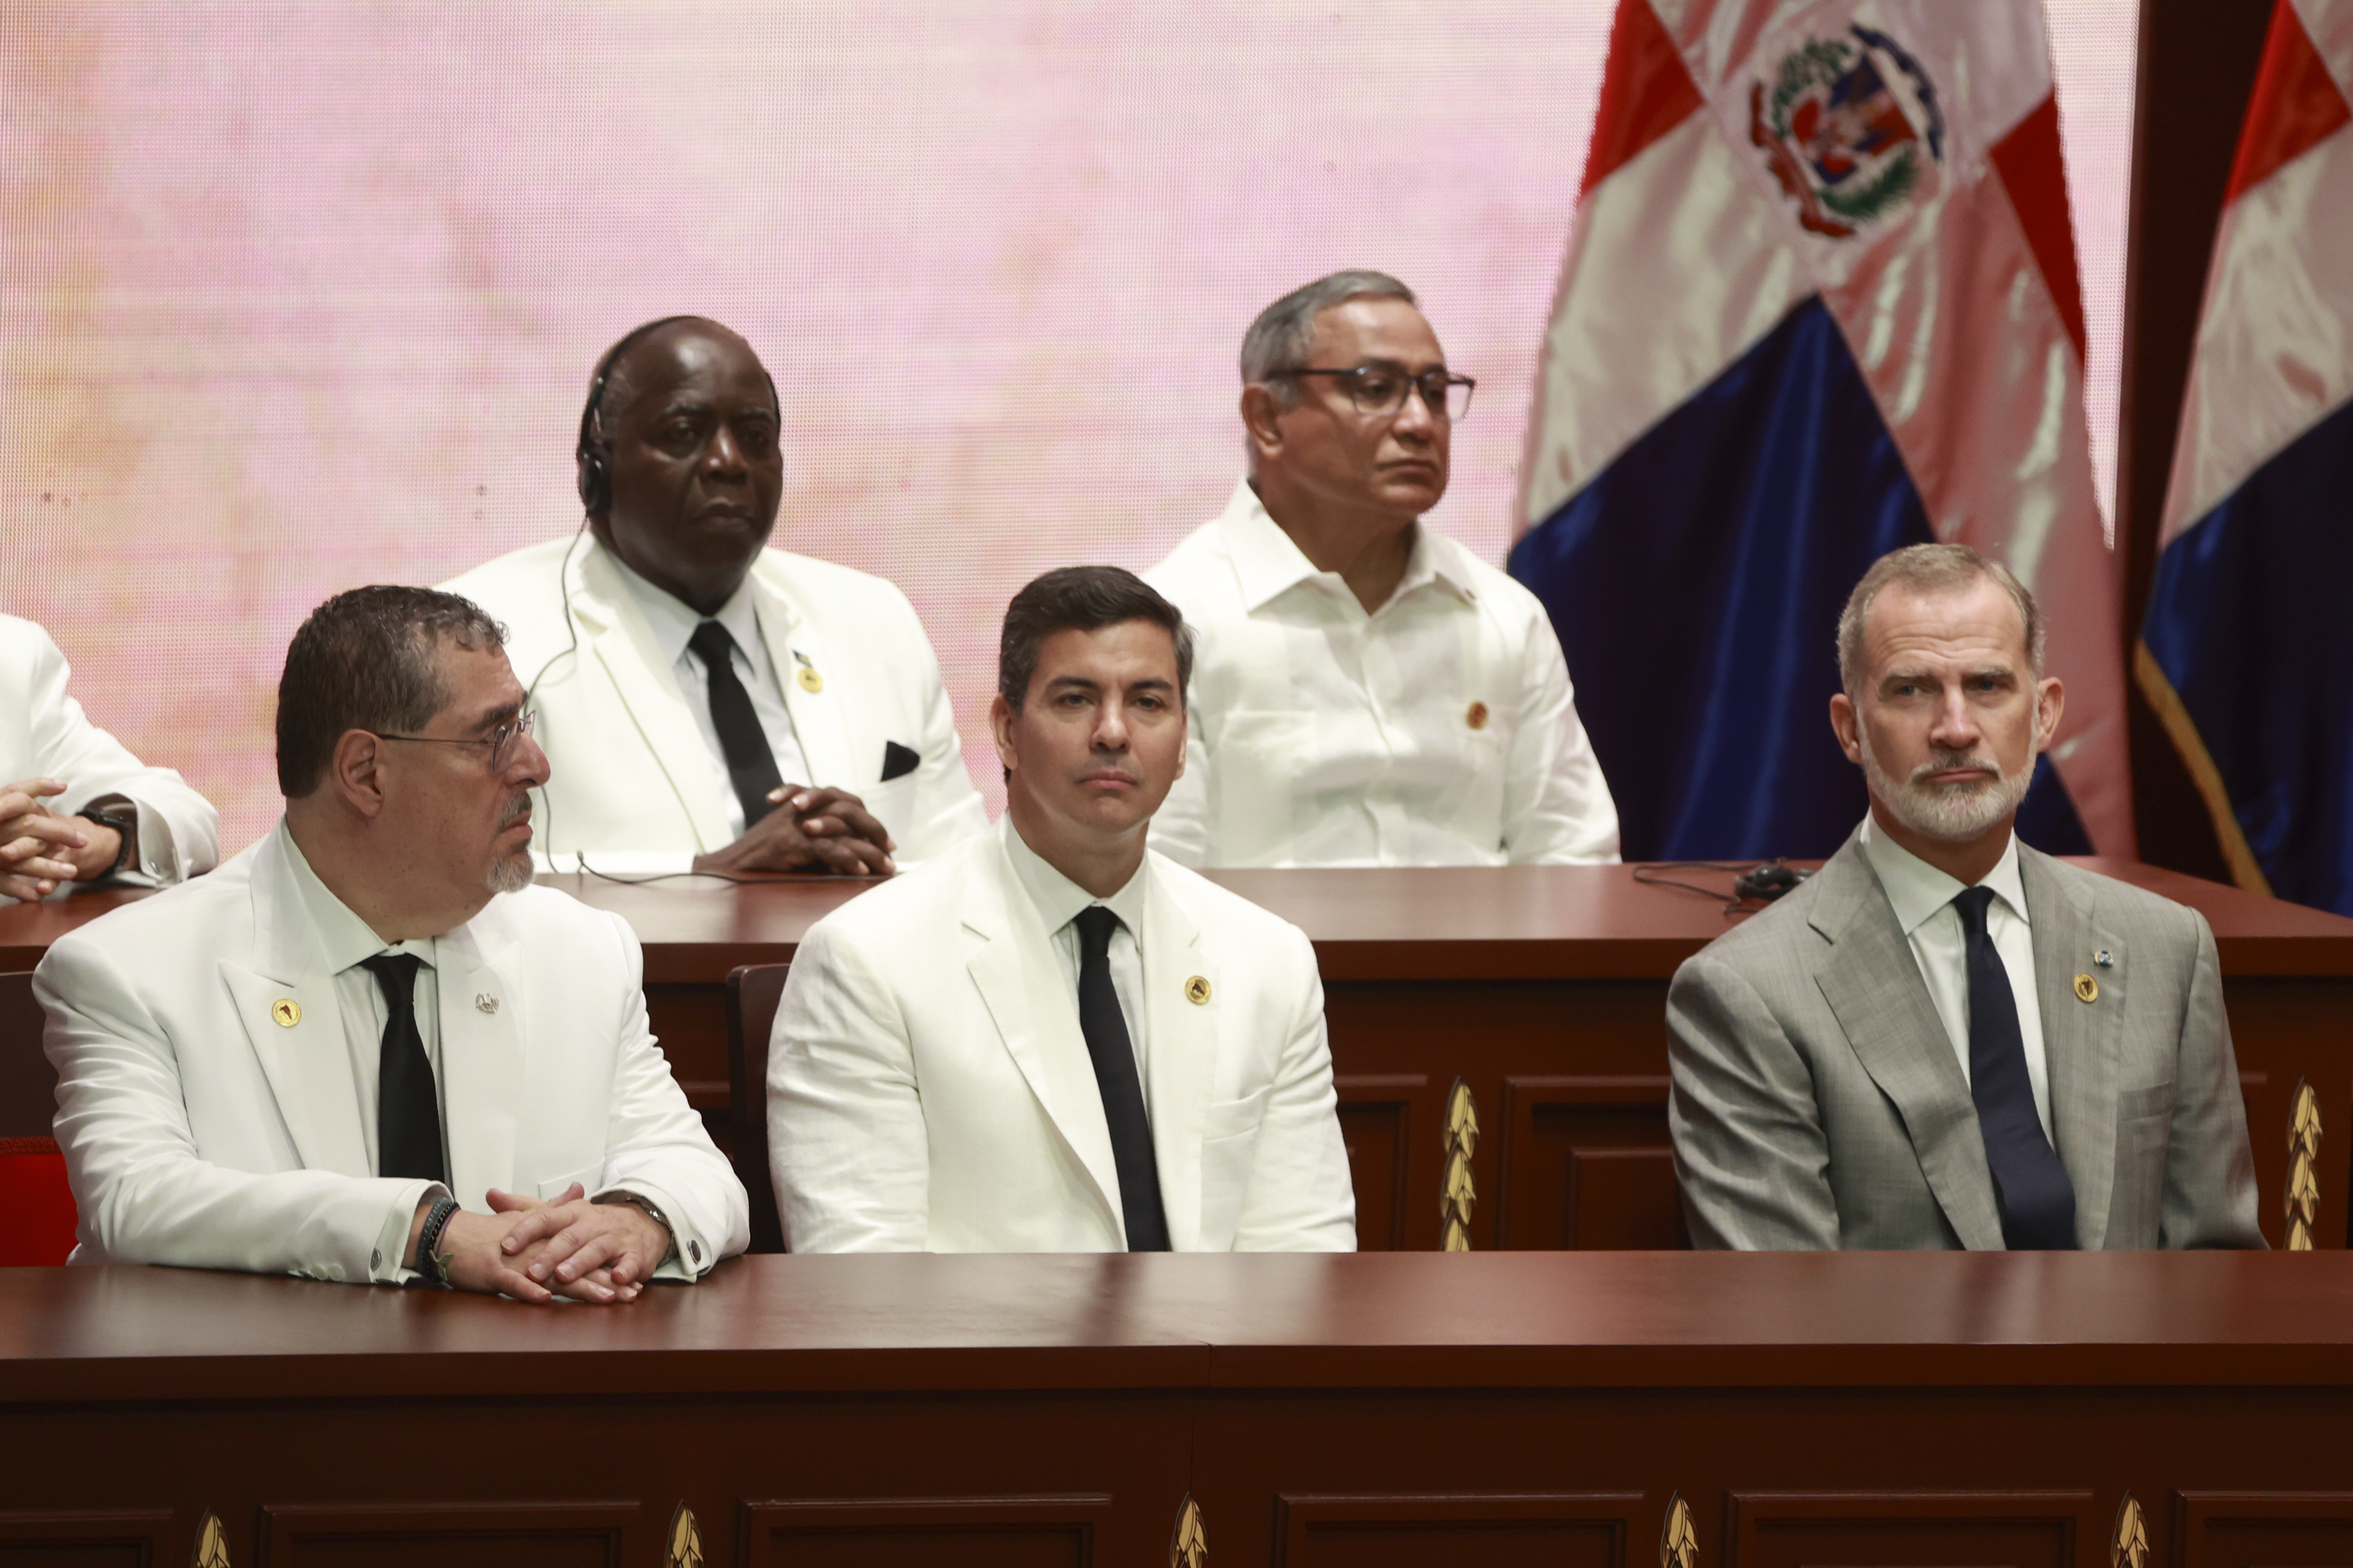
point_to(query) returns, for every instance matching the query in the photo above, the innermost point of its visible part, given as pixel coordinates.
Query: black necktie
(408, 1108)
(751, 765)
(1106, 1028)
(2031, 1187)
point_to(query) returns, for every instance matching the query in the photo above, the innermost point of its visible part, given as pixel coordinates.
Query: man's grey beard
(1953, 812)
(512, 873)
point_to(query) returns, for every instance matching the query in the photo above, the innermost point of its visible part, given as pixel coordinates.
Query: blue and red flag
(2247, 652)
(1820, 301)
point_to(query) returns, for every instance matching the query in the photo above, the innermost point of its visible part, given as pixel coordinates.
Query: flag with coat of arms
(2247, 649)
(1820, 301)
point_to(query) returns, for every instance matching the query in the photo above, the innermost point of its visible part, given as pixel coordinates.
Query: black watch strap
(123, 818)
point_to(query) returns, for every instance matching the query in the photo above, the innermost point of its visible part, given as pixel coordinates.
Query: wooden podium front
(1499, 1409)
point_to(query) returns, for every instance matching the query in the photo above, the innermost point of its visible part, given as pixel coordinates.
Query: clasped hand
(810, 830)
(40, 849)
(536, 1251)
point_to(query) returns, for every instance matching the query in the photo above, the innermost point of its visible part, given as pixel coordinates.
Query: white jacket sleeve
(1556, 806)
(179, 830)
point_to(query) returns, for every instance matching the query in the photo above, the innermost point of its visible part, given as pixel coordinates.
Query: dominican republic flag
(1820, 301)
(2247, 653)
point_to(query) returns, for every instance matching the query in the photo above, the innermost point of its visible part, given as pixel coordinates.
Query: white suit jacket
(929, 1088)
(631, 773)
(44, 733)
(199, 1130)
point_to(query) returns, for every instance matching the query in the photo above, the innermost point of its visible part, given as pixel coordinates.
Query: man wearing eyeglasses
(367, 1048)
(1369, 692)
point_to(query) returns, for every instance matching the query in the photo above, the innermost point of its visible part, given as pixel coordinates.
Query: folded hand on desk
(810, 830)
(39, 849)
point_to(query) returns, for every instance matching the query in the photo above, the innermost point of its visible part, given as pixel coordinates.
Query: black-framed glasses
(1380, 390)
(503, 740)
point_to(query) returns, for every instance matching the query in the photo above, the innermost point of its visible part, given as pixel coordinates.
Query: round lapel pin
(2086, 988)
(486, 1002)
(1196, 991)
(287, 1012)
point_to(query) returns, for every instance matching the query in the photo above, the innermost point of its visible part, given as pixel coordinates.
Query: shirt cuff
(384, 1262)
(688, 1258)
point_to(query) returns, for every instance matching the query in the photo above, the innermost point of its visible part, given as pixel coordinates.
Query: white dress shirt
(1922, 897)
(1439, 730)
(673, 623)
(346, 941)
(1059, 901)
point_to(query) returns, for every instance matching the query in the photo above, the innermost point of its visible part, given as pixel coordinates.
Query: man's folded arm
(1556, 806)
(179, 830)
(656, 1146)
(1751, 1156)
(846, 1133)
(1302, 1196)
(146, 1196)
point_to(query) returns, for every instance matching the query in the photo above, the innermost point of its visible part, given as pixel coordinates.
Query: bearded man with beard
(368, 1048)
(1944, 1039)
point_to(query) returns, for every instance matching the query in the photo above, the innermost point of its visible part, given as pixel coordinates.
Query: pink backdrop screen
(297, 298)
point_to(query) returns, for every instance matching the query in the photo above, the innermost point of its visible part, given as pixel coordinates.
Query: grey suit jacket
(1817, 1100)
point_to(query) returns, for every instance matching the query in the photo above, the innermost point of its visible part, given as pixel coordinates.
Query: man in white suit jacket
(367, 1048)
(822, 739)
(1051, 1040)
(82, 806)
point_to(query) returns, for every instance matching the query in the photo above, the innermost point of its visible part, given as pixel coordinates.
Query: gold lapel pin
(1196, 991)
(811, 681)
(1477, 717)
(486, 1002)
(2086, 988)
(287, 1011)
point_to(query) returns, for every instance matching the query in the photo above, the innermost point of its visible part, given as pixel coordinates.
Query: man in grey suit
(1944, 1039)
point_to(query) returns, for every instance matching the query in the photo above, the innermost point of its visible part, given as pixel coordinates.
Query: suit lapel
(307, 1062)
(2082, 1043)
(793, 647)
(1181, 1056)
(482, 1066)
(1872, 983)
(624, 645)
(1022, 987)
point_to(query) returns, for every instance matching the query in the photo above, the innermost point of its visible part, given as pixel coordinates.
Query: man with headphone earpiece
(709, 703)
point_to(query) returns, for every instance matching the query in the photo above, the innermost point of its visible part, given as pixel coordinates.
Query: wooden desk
(1504, 1409)
(1542, 988)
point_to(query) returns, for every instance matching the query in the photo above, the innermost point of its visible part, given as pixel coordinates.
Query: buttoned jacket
(207, 1108)
(1817, 1100)
(929, 1088)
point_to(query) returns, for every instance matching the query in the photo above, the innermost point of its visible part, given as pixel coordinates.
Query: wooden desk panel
(1542, 988)
(1889, 1409)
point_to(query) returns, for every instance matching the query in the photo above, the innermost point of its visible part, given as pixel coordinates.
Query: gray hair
(1284, 332)
(1930, 569)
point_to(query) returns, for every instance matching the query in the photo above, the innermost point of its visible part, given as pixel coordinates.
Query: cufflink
(694, 1251)
(375, 1261)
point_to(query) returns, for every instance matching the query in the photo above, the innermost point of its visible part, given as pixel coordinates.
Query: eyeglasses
(503, 740)
(1380, 390)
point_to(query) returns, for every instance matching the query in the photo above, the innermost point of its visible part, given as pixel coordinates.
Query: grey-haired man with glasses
(367, 1048)
(1367, 691)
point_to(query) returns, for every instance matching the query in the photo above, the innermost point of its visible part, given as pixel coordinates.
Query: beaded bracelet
(428, 1240)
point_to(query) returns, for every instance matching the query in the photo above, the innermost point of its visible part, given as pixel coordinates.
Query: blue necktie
(2030, 1186)
(1105, 1027)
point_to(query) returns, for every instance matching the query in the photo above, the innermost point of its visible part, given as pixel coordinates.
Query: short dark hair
(1931, 569)
(365, 661)
(1082, 599)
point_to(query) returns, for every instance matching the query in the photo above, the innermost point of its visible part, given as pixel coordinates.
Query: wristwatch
(123, 818)
(646, 1205)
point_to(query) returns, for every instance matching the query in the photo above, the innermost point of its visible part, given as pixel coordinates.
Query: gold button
(2086, 988)
(811, 681)
(287, 1011)
(1477, 717)
(1196, 991)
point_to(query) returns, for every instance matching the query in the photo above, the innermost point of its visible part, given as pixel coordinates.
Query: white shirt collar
(339, 937)
(1056, 899)
(672, 620)
(1268, 561)
(1918, 890)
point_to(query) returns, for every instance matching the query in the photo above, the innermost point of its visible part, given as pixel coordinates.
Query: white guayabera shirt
(1440, 730)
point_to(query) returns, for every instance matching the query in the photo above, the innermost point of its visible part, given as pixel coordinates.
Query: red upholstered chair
(37, 1207)
(753, 991)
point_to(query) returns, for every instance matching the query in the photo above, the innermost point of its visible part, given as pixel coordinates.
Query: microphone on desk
(1769, 881)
